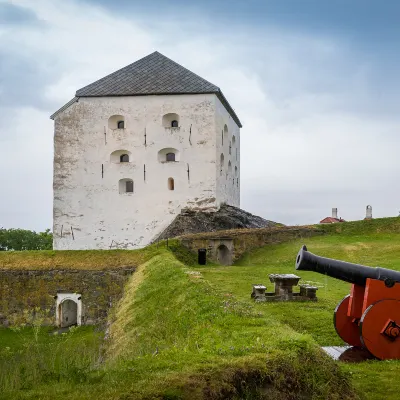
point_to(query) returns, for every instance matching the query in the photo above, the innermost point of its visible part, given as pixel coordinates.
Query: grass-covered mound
(182, 338)
(176, 336)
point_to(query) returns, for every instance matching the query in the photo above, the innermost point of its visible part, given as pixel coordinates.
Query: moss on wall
(26, 292)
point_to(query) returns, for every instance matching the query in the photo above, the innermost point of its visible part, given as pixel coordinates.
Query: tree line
(22, 239)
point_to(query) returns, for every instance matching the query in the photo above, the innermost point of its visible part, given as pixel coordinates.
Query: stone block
(258, 293)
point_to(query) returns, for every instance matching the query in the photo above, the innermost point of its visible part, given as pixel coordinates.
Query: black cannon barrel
(347, 272)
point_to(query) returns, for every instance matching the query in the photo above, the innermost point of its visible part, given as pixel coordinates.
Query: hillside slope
(182, 336)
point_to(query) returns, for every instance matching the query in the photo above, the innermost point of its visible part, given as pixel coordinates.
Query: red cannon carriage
(369, 316)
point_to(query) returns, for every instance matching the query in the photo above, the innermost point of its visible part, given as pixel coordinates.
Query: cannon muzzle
(347, 272)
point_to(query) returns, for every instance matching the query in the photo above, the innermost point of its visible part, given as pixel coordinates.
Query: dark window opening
(124, 158)
(120, 125)
(174, 123)
(171, 184)
(170, 157)
(129, 186)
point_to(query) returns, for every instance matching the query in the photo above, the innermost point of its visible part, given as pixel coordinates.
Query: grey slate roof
(154, 74)
(65, 106)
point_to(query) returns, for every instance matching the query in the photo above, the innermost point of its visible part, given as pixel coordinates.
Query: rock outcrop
(227, 217)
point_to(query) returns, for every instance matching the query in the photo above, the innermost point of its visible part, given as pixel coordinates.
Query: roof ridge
(154, 74)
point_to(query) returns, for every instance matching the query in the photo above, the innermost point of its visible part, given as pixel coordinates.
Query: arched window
(116, 122)
(120, 156)
(229, 168)
(171, 184)
(168, 154)
(170, 120)
(236, 171)
(225, 132)
(124, 158)
(170, 157)
(125, 186)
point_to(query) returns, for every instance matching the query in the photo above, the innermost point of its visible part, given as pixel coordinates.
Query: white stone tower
(133, 149)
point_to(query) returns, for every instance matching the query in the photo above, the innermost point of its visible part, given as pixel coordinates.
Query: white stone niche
(68, 309)
(116, 122)
(162, 154)
(115, 156)
(170, 120)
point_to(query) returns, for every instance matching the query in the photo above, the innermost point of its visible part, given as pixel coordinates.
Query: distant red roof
(330, 220)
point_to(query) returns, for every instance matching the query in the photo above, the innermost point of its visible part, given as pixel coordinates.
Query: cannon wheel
(345, 326)
(374, 320)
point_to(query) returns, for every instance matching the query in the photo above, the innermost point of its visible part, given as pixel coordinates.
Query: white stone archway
(68, 309)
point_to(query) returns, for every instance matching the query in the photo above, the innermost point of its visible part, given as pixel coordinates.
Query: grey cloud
(319, 114)
(23, 78)
(12, 14)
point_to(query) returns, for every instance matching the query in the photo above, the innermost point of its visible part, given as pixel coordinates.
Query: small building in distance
(333, 219)
(368, 212)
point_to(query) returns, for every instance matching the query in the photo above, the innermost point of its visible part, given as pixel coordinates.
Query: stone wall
(24, 292)
(239, 241)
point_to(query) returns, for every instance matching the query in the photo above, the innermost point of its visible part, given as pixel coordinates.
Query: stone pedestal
(258, 293)
(308, 291)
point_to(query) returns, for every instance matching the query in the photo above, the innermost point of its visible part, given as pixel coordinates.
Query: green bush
(22, 239)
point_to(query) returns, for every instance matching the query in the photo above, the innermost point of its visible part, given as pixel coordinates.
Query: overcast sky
(315, 83)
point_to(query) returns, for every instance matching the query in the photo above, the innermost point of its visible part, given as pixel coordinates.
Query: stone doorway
(68, 313)
(224, 255)
(68, 309)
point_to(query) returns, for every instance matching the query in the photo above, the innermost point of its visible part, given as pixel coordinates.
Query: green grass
(175, 336)
(371, 243)
(77, 259)
(183, 331)
(34, 356)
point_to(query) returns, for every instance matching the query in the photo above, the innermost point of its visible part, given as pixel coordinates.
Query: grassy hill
(192, 332)
(374, 243)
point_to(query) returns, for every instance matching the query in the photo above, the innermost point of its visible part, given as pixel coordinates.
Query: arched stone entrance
(224, 255)
(68, 313)
(68, 309)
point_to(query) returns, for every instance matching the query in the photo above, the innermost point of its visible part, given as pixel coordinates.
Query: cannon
(369, 317)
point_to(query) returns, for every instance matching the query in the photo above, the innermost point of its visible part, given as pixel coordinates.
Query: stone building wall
(225, 247)
(22, 292)
(89, 210)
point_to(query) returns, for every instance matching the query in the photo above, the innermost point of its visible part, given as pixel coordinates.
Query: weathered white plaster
(63, 297)
(91, 211)
(228, 145)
